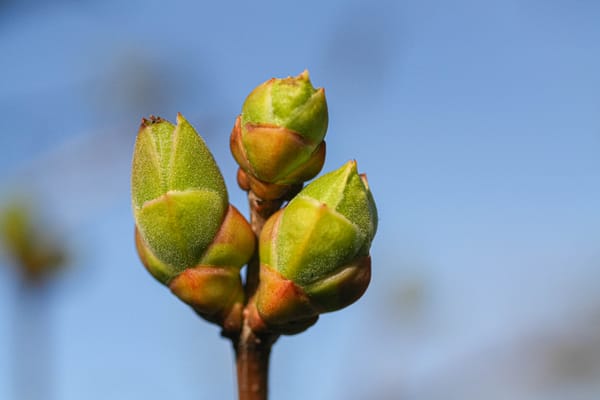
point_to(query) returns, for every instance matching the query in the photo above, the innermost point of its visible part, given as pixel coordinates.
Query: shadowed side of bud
(315, 253)
(187, 234)
(278, 138)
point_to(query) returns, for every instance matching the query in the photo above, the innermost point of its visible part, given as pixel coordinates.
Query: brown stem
(252, 349)
(261, 210)
(252, 361)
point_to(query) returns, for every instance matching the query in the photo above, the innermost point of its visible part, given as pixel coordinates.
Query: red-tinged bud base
(234, 242)
(275, 156)
(264, 190)
(281, 305)
(213, 288)
(215, 293)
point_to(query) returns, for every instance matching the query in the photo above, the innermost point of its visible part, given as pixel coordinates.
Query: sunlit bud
(187, 234)
(314, 253)
(278, 138)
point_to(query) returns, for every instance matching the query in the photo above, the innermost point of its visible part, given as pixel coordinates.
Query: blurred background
(478, 124)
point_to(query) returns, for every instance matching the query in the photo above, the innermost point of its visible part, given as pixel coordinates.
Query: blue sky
(476, 122)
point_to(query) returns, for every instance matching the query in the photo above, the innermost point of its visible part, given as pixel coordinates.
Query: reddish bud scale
(274, 159)
(213, 288)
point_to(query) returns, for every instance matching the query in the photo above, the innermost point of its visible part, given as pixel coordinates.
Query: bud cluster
(313, 255)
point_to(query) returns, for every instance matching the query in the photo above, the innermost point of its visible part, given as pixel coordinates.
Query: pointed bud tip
(365, 181)
(151, 120)
(304, 75)
(351, 166)
(300, 79)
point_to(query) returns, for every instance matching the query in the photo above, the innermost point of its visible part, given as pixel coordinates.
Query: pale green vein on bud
(289, 94)
(310, 119)
(292, 103)
(257, 107)
(191, 165)
(358, 206)
(330, 188)
(162, 136)
(146, 175)
(313, 241)
(344, 191)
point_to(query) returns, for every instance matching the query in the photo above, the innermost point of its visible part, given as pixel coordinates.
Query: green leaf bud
(315, 253)
(278, 138)
(187, 234)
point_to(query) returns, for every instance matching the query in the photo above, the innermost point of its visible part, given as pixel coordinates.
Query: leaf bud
(278, 138)
(314, 253)
(187, 234)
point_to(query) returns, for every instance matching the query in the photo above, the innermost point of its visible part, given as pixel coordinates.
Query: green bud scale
(187, 234)
(315, 252)
(278, 138)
